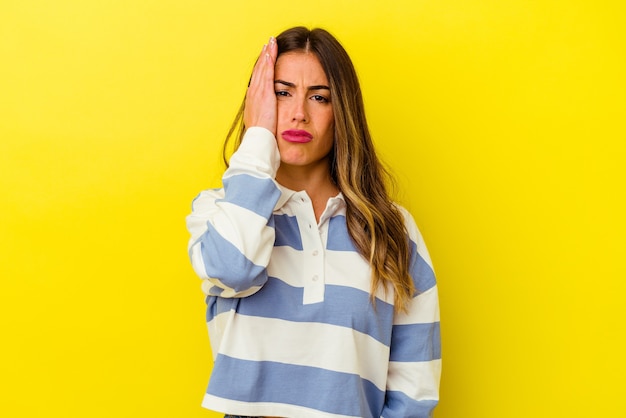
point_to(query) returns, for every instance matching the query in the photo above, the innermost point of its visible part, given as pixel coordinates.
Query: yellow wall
(504, 121)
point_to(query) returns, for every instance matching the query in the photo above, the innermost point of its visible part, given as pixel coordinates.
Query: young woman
(322, 300)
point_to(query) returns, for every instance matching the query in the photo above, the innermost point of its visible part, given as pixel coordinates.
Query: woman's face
(305, 126)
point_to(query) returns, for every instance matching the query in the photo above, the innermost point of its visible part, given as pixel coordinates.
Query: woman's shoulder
(408, 217)
(410, 224)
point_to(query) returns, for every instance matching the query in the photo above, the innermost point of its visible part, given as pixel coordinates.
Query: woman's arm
(231, 235)
(415, 356)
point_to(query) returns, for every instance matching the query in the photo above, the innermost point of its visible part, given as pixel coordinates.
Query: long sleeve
(232, 235)
(415, 353)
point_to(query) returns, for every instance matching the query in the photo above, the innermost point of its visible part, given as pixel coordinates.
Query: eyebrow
(288, 84)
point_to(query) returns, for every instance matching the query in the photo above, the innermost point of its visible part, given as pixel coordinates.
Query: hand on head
(260, 107)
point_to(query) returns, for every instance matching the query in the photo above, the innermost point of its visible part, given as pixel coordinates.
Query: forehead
(300, 67)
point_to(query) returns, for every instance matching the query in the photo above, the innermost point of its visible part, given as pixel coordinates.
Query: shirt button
(315, 278)
(315, 252)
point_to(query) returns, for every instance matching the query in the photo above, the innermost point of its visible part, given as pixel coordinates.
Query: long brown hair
(375, 224)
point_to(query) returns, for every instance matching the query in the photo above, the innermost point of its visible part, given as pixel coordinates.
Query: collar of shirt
(333, 205)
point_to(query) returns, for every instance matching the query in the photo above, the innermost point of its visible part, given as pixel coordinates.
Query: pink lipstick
(296, 135)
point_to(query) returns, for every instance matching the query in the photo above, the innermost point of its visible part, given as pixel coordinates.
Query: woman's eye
(320, 99)
(282, 93)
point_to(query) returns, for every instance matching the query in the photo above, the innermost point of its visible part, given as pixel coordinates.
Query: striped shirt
(292, 329)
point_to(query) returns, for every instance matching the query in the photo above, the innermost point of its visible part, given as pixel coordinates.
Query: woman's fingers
(272, 50)
(260, 108)
(257, 66)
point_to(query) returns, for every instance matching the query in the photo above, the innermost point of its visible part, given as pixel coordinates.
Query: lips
(296, 135)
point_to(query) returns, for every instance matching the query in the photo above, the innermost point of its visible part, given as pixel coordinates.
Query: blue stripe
(399, 405)
(338, 236)
(342, 306)
(339, 240)
(311, 387)
(422, 274)
(215, 291)
(258, 195)
(217, 305)
(416, 342)
(224, 261)
(287, 232)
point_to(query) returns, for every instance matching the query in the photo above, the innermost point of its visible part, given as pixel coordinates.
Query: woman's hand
(260, 107)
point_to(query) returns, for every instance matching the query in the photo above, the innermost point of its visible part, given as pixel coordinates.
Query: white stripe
(424, 309)
(419, 381)
(197, 262)
(342, 268)
(350, 269)
(347, 268)
(246, 230)
(227, 292)
(264, 408)
(216, 327)
(283, 269)
(285, 265)
(300, 344)
(257, 154)
(416, 236)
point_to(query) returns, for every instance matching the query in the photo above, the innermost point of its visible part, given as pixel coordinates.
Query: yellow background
(503, 120)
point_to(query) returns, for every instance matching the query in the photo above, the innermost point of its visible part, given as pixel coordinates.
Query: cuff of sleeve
(258, 154)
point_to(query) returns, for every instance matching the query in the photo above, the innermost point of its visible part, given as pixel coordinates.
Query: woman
(321, 297)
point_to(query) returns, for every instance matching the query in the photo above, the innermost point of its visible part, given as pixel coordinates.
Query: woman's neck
(315, 181)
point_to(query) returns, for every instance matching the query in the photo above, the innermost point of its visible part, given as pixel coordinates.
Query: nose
(300, 111)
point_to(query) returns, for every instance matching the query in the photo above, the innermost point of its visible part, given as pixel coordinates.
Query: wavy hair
(374, 222)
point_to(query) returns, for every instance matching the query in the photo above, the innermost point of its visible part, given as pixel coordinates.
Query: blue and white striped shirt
(292, 329)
